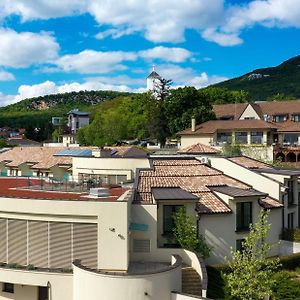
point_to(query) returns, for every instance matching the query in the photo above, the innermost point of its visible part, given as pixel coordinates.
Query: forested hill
(62, 102)
(281, 82)
(37, 112)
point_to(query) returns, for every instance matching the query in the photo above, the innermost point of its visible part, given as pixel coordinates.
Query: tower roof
(153, 74)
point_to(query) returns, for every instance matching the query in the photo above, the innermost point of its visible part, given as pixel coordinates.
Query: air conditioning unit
(205, 160)
(99, 192)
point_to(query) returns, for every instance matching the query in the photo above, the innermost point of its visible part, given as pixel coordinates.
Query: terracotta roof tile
(199, 149)
(249, 162)
(269, 203)
(213, 126)
(189, 175)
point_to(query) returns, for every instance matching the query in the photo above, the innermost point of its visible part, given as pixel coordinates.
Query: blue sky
(70, 45)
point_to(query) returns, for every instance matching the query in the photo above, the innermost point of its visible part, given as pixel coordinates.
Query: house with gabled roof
(274, 125)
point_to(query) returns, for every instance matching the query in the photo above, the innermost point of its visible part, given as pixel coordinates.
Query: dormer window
(296, 117)
(279, 118)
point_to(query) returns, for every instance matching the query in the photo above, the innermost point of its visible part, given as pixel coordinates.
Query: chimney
(193, 124)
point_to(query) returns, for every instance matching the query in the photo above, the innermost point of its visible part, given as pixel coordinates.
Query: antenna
(153, 67)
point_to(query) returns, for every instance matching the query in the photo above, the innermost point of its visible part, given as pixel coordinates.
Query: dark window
(43, 293)
(239, 245)
(77, 124)
(290, 192)
(256, 137)
(279, 118)
(296, 118)
(291, 221)
(241, 137)
(169, 210)
(243, 215)
(8, 287)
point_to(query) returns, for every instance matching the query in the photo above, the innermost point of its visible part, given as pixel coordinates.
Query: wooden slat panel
(60, 245)
(3, 240)
(38, 243)
(17, 241)
(85, 244)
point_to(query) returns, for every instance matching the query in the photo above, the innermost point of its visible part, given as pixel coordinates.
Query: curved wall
(93, 286)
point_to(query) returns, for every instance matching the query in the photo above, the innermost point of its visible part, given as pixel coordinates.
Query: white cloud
(21, 50)
(90, 61)
(187, 76)
(6, 76)
(165, 21)
(167, 54)
(7, 99)
(114, 33)
(223, 39)
(42, 9)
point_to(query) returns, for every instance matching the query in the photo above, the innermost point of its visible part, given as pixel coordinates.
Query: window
(241, 137)
(290, 138)
(43, 293)
(249, 118)
(8, 287)
(279, 118)
(296, 118)
(243, 215)
(290, 192)
(291, 221)
(256, 137)
(168, 224)
(224, 137)
(239, 245)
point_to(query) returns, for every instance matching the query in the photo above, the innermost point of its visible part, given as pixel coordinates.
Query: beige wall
(189, 140)
(93, 286)
(21, 292)
(107, 166)
(256, 180)
(61, 285)
(106, 214)
(221, 238)
(250, 113)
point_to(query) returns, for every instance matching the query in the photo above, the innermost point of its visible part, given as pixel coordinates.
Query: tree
(157, 114)
(251, 269)
(185, 233)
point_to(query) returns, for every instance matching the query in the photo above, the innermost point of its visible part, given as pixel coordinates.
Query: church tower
(151, 79)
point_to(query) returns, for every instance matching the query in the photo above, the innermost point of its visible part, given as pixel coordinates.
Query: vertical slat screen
(17, 241)
(60, 245)
(3, 238)
(38, 243)
(85, 244)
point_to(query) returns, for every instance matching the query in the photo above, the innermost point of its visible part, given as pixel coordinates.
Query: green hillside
(37, 112)
(283, 79)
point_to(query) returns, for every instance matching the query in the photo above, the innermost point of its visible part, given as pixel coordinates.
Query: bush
(285, 287)
(231, 150)
(290, 262)
(292, 235)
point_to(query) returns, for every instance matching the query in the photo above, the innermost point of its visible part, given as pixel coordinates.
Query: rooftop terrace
(16, 187)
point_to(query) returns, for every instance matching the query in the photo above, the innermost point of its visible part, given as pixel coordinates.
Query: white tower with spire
(151, 79)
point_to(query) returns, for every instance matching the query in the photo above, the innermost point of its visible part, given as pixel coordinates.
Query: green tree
(185, 233)
(251, 276)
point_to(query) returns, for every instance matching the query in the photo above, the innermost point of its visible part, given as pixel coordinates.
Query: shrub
(290, 262)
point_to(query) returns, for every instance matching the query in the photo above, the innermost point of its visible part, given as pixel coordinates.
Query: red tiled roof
(213, 126)
(249, 162)
(269, 203)
(270, 108)
(15, 188)
(199, 149)
(189, 175)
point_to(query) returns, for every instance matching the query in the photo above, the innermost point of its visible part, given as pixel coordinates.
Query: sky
(59, 46)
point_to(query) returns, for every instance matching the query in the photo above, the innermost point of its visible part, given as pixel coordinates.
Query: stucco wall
(221, 238)
(91, 286)
(188, 140)
(249, 112)
(120, 166)
(61, 285)
(257, 181)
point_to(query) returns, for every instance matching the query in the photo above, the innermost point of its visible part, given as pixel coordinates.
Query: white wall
(189, 140)
(61, 284)
(112, 166)
(158, 286)
(249, 112)
(256, 180)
